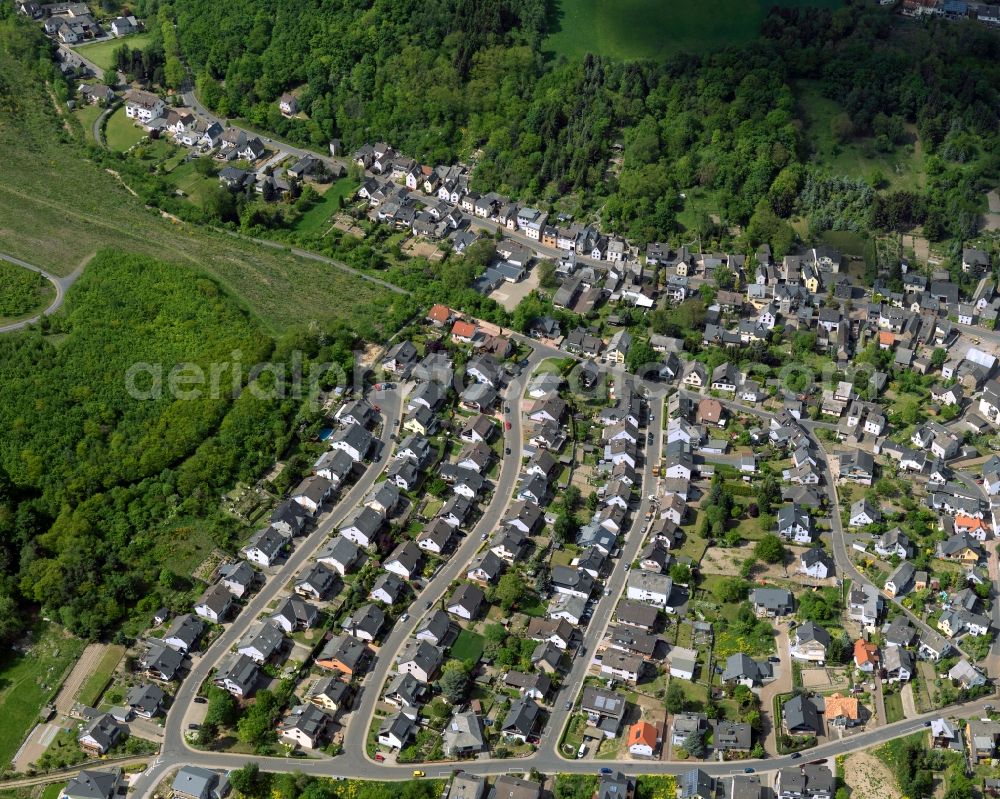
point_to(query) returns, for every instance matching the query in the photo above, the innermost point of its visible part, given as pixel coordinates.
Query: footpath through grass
(30, 679)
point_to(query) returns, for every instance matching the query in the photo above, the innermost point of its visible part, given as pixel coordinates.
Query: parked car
(200, 700)
(796, 755)
(605, 770)
(379, 757)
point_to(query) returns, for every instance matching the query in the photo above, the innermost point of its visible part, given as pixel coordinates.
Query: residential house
(463, 734)
(294, 614)
(215, 603)
(419, 658)
(866, 656)
(365, 623)
(800, 716)
(772, 602)
(340, 554)
(809, 642)
(346, 654)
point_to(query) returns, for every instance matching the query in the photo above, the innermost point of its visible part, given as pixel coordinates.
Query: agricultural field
(900, 169)
(102, 53)
(29, 679)
(634, 29)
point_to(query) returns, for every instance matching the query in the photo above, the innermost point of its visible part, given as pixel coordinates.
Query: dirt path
(868, 778)
(84, 667)
(909, 706)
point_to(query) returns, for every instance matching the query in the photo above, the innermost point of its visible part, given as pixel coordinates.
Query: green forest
(22, 291)
(443, 79)
(105, 490)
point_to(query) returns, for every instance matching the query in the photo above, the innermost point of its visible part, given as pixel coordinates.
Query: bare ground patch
(868, 778)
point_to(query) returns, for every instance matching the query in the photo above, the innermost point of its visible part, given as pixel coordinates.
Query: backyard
(87, 115)
(91, 690)
(468, 646)
(120, 133)
(102, 53)
(316, 220)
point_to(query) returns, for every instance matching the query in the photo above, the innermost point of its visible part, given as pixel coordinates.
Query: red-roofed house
(463, 331)
(886, 339)
(977, 528)
(439, 314)
(709, 412)
(642, 739)
(865, 656)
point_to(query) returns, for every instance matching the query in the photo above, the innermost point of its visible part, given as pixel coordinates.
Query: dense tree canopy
(440, 79)
(102, 476)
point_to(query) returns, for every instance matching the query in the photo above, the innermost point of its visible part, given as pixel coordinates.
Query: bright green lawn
(901, 169)
(95, 684)
(656, 28)
(28, 681)
(120, 132)
(468, 646)
(87, 114)
(196, 186)
(316, 220)
(893, 707)
(102, 53)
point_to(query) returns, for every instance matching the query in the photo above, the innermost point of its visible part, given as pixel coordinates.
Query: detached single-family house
(809, 642)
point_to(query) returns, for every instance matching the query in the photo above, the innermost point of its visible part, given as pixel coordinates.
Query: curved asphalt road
(61, 284)
(354, 762)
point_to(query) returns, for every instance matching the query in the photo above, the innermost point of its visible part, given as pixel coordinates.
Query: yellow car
(418, 773)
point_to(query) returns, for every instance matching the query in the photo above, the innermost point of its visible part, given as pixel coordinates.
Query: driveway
(909, 706)
(782, 684)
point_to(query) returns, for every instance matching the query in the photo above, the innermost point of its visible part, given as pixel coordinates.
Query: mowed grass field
(317, 219)
(630, 29)
(468, 646)
(102, 53)
(120, 132)
(87, 115)
(29, 679)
